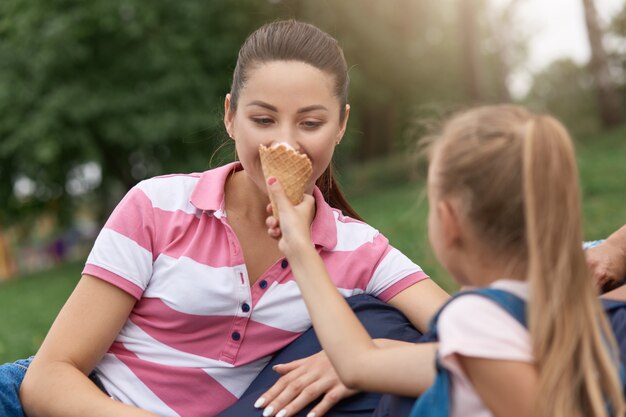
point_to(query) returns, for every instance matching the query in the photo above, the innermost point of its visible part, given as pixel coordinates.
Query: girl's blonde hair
(516, 175)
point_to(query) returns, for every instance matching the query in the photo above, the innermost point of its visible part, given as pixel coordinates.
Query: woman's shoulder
(168, 185)
(354, 230)
(169, 180)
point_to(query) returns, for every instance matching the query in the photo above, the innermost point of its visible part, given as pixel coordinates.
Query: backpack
(435, 401)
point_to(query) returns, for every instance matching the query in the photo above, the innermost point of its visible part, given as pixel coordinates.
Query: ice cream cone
(290, 167)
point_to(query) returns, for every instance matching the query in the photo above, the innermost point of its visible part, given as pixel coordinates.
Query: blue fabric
(616, 313)
(381, 321)
(435, 401)
(394, 406)
(11, 376)
(592, 243)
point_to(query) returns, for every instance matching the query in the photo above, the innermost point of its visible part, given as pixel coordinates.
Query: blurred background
(96, 96)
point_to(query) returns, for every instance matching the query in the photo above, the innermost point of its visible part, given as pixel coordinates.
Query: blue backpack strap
(509, 302)
(435, 401)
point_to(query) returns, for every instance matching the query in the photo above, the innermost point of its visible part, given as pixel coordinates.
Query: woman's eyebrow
(275, 109)
(311, 108)
(262, 104)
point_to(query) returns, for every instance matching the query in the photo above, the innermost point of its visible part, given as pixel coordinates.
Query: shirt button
(245, 307)
(284, 264)
(263, 284)
(236, 335)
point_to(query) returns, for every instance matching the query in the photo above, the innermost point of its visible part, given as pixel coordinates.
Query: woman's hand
(293, 229)
(302, 382)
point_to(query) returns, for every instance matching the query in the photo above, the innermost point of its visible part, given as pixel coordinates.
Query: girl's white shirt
(475, 326)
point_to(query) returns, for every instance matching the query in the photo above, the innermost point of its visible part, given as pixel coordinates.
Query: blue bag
(435, 401)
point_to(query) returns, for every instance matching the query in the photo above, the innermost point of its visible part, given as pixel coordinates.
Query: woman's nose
(289, 137)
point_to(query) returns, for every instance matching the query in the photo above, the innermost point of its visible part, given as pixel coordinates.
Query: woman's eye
(310, 124)
(264, 121)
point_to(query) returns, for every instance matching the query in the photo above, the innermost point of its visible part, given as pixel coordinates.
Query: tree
(609, 101)
(134, 85)
(565, 89)
(469, 32)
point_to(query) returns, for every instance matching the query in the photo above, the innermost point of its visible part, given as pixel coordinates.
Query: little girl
(504, 213)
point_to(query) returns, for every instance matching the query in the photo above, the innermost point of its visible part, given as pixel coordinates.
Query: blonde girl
(504, 213)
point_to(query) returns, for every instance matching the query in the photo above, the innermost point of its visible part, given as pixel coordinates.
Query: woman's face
(286, 101)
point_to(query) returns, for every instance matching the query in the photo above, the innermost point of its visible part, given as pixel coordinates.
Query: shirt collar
(323, 228)
(208, 195)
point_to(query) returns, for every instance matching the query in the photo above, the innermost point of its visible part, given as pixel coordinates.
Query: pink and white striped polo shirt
(199, 333)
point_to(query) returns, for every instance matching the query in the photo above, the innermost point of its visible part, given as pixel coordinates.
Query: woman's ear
(344, 124)
(451, 228)
(229, 115)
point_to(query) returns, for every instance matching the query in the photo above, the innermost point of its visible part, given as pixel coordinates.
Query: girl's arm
(406, 370)
(56, 383)
(360, 363)
(492, 381)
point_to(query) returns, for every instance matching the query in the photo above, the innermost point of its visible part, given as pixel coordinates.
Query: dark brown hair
(290, 40)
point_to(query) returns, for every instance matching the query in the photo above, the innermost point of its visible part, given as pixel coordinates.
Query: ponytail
(332, 194)
(572, 341)
(516, 175)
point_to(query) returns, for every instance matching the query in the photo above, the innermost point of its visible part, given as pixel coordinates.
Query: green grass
(602, 165)
(399, 209)
(29, 305)
(381, 193)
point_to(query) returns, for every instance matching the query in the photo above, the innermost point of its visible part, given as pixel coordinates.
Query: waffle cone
(290, 167)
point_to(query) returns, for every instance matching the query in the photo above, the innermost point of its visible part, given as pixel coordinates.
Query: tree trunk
(502, 26)
(608, 97)
(468, 24)
(378, 127)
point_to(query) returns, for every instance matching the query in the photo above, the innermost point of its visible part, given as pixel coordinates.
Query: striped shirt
(200, 333)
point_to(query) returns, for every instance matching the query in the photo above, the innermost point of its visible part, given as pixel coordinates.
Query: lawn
(380, 193)
(28, 306)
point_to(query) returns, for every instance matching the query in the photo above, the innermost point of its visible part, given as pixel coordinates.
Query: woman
(184, 297)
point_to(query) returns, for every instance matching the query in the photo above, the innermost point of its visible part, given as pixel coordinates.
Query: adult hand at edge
(607, 263)
(302, 382)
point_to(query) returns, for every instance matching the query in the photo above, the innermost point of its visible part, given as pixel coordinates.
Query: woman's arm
(420, 302)
(56, 383)
(492, 381)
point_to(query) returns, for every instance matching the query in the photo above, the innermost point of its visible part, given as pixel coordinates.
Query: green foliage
(29, 305)
(134, 85)
(565, 89)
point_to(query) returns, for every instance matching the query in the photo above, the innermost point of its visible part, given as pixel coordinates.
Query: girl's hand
(293, 229)
(301, 383)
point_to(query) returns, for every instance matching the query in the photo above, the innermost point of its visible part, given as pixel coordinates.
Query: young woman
(504, 215)
(185, 298)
